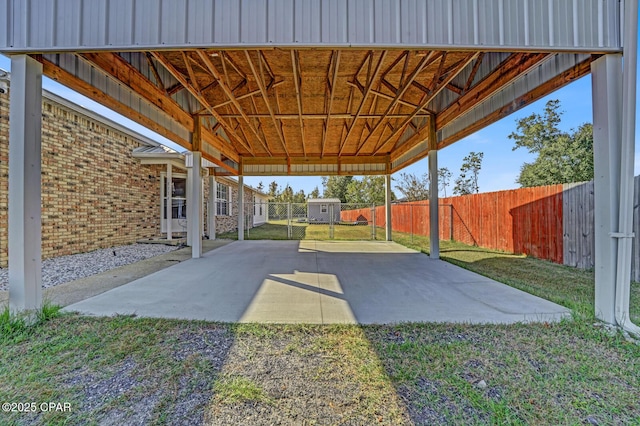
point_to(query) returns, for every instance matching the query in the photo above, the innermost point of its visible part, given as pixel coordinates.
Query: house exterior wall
(94, 194)
(229, 223)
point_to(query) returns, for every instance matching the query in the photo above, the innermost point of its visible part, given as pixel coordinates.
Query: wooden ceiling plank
(265, 97)
(227, 91)
(423, 62)
(178, 76)
(438, 87)
(231, 62)
(246, 95)
(297, 84)
(510, 69)
(372, 77)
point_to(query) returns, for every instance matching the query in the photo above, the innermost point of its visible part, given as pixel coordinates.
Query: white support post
(387, 207)
(607, 95)
(195, 213)
(434, 217)
(169, 196)
(624, 234)
(189, 205)
(25, 227)
(240, 208)
(211, 227)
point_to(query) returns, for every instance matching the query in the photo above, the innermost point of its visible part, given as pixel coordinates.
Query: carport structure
(322, 87)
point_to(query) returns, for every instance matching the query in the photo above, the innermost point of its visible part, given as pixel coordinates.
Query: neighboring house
(97, 191)
(319, 210)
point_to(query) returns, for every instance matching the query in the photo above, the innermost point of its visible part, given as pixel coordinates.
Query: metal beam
(240, 208)
(25, 223)
(434, 216)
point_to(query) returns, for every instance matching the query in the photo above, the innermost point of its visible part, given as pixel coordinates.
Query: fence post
(331, 221)
(411, 220)
(451, 222)
(289, 230)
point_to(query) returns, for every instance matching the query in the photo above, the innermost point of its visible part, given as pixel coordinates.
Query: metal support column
(211, 226)
(240, 208)
(607, 95)
(25, 230)
(434, 217)
(624, 234)
(189, 205)
(387, 206)
(168, 195)
(195, 212)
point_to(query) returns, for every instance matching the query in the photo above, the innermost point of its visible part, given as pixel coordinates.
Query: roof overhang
(294, 87)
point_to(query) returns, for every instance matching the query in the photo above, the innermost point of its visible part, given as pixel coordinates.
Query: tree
(368, 190)
(444, 177)
(562, 157)
(467, 182)
(315, 193)
(336, 187)
(273, 190)
(413, 187)
(260, 187)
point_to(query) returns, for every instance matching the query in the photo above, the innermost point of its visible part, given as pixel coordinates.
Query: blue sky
(500, 167)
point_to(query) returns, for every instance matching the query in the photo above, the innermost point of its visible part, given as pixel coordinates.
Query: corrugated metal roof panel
(568, 25)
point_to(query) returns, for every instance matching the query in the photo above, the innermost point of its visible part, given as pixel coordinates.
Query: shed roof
(323, 200)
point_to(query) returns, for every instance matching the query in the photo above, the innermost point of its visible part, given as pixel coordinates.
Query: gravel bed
(63, 269)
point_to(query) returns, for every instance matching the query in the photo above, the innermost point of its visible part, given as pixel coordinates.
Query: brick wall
(229, 223)
(94, 194)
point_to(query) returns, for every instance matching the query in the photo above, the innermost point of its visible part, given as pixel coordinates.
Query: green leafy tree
(562, 157)
(273, 191)
(368, 190)
(444, 178)
(315, 193)
(467, 182)
(260, 186)
(336, 187)
(413, 187)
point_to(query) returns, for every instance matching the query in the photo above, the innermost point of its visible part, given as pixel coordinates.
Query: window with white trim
(222, 199)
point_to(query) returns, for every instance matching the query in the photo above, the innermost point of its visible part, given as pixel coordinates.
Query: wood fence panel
(578, 222)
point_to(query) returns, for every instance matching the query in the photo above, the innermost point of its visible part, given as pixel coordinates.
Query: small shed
(319, 210)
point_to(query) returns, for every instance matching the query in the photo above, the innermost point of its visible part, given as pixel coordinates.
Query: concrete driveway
(320, 282)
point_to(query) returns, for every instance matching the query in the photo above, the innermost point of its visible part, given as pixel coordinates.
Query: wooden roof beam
(117, 67)
(297, 80)
(265, 97)
(230, 132)
(331, 80)
(227, 90)
(423, 63)
(371, 78)
(438, 87)
(510, 69)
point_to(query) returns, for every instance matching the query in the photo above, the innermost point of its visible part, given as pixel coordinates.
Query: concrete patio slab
(320, 282)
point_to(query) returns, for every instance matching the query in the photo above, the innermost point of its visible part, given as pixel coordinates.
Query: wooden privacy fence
(554, 222)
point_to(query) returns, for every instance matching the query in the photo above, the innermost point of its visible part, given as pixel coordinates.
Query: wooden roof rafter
(230, 132)
(332, 80)
(265, 96)
(229, 92)
(297, 80)
(401, 90)
(439, 83)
